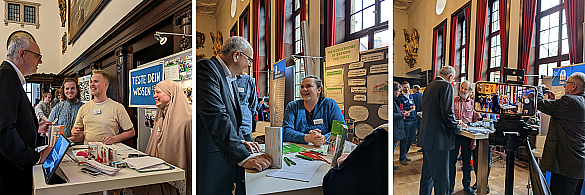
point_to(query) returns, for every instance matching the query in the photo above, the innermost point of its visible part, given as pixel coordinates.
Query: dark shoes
(475, 187)
(469, 191)
(396, 167)
(407, 159)
(404, 162)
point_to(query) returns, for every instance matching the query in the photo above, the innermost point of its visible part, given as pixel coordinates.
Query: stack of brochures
(103, 168)
(147, 164)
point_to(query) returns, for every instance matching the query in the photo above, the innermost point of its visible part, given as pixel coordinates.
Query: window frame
(436, 67)
(462, 25)
(559, 58)
(370, 31)
(299, 71)
(489, 37)
(21, 21)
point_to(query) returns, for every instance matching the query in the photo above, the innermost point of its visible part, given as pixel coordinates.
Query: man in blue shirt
(409, 128)
(248, 101)
(417, 95)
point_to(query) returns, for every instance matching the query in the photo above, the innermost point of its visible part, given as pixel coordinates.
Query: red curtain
(572, 11)
(528, 13)
(503, 49)
(256, 43)
(303, 10)
(281, 9)
(480, 37)
(434, 66)
(331, 23)
(466, 40)
(444, 44)
(453, 48)
(267, 30)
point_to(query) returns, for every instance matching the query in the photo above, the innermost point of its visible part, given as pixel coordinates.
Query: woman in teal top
(66, 111)
(309, 120)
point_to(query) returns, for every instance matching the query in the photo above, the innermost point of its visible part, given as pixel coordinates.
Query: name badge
(96, 112)
(241, 90)
(469, 110)
(318, 121)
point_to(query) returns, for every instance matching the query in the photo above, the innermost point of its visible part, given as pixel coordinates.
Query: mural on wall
(200, 39)
(81, 13)
(411, 47)
(64, 43)
(62, 10)
(217, 42)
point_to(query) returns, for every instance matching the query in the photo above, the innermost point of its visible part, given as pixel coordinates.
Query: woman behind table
(309, 120)
(66, 111)
(170, 139)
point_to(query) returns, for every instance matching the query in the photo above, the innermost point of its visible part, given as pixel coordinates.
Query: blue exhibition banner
(279, 69)
(560, 75)
(142, 83)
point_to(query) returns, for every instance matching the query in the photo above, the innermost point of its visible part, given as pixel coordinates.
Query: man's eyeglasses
(250, 60)
(38, 55)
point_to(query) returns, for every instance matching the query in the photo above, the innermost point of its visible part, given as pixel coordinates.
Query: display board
(277, 86)
(176, 67)
(361, 91)
(560, 76)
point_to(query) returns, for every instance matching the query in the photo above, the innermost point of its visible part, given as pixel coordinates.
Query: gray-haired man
(222, 154)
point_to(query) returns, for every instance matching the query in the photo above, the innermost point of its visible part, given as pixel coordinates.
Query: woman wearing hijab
(170, 139)
(66, 111)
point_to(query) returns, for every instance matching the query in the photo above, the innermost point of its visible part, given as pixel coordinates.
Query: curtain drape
(503, 18)
(572, 10)
(528, 14)
(434, 65)
(330, 23)
(256, 42)
(280, 20)
(454, 21)
(480, 37)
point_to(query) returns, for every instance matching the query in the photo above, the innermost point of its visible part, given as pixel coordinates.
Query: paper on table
(302, 171)
(143, 162)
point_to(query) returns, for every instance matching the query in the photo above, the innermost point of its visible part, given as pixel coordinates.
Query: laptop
(54, 174)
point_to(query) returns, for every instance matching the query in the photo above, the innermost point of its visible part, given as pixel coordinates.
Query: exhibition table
(482, 162)
(259, 183)
(80, 182)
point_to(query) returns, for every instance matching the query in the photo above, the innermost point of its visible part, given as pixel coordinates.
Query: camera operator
(564, 149)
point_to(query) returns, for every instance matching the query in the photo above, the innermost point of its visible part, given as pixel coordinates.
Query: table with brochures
(259, 183)
(80, 182)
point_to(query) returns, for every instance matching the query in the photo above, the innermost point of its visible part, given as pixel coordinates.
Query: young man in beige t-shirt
(101, 118)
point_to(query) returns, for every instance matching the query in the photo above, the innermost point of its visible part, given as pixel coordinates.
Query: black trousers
(435, 172)
(563, 185)
(464, 143)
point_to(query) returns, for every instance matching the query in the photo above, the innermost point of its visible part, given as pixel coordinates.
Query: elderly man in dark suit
(18, 122)
(437, 133)
(564, 150)
(222, 154)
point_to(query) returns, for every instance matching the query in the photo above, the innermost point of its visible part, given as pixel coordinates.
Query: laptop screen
(55, 157)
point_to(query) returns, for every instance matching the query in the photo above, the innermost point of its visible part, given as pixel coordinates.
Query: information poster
(359, 89)
(382, 68)
(358, 113)
(359, 98)
(373, 57)
(84, 90)
(356, 65)
(171, 70)
(334, 78)
(383, 112)
(277, 94)
(142, 83)
(356, 82)
(378, 89)
(342, 53)
(335, 93)
(357, 73)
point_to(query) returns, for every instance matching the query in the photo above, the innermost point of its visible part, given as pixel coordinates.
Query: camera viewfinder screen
(505, 99)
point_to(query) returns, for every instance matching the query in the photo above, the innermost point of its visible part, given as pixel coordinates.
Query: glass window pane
(369, 2)
(543, 51)
(564, 32)
(29, 14)
(356, 22)
(29, 95)
(495, 76)
(297, 4)
(381, 38)
(13, 12)
(542, 70)
(364, 43)
(385, 15)
(553, 48)
(554, 19)
(297, 34)
(297, 47)
(298, 21)
(554, 34)
(565, 46)
(544, 36)
(550, 68)
(544, 5)
(356, 5)
(565, 63)
(369, 17)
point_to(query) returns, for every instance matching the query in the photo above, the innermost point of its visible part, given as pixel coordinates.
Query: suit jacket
(564, 148)
(364, 171)
(18, 134)
(438, 126)
(219, 147)
(418, 101)
(398, 120)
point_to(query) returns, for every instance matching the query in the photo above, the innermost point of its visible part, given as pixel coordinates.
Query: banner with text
(342, 53)
(142, 83)
(277, 86)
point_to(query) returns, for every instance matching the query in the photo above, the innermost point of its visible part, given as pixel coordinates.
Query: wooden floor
(407, 179)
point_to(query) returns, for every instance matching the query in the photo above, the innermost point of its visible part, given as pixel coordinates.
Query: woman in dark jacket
(398, 118)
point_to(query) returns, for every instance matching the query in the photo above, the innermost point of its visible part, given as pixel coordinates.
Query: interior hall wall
(112, 13)
(206, 25)
(423, 17)
(400, 22)
(47, 36)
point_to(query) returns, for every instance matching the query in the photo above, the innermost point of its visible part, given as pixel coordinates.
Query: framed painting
(81, 14)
